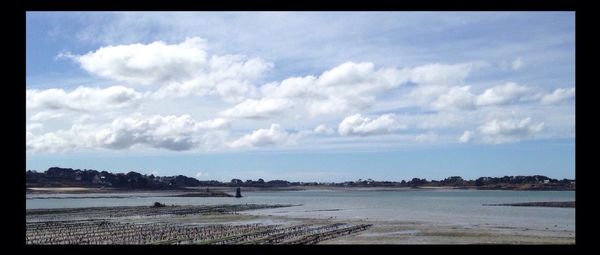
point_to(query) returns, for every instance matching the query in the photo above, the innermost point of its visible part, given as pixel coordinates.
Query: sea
(457, 207)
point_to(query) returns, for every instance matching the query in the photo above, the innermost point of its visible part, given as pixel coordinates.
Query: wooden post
(238, 192)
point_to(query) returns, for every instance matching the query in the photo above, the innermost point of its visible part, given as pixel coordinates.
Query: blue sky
(305, 96)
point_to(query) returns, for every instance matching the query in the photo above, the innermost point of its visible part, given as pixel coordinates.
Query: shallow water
(457, 207)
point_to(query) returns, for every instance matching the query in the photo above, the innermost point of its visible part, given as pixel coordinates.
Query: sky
(302, 96)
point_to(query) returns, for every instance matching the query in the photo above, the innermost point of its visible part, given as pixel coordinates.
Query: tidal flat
(307, 217)
(171, 225)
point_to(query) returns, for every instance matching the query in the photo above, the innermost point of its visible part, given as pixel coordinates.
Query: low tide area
(303, 217)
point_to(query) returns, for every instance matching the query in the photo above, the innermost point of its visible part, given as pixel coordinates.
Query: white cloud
(171, 132)
(558, 95)
(352, 87)
(429, 137)
(466, 137)
(42, 116)
(81, 99)
(179, 69)
(443, 98)
(436, 74)
(507, 131)
(358, 125)
(455, 98)
(198, 174)
(517, 64)
(189, 69)
(218, 123)
(77, 137)
(313, 83)
(263, 108)
(274, 136)
(152, 63)
(440, 87)
(323, 130)
(342, 89)
(503, 94)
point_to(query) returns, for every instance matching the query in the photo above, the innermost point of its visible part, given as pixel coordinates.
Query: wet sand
(380, 232)
(396, 232)
(377, 232)
(426, 233)
(213, 225)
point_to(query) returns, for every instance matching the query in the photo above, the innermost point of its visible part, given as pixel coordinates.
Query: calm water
(462, 207)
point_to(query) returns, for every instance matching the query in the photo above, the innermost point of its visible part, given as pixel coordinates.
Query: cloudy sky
(305, 96)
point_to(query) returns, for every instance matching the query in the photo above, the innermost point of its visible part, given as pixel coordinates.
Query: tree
(480, 181)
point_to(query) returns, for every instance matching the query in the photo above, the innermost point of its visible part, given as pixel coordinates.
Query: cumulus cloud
(455, 98)
(344, 88)
(138, 63)
(507, 131)
(352, 87)
(81, 99)
(42, 116)
(79, 136)
(503, 94)
(274, 136)
(171, 132)
(429, 137)
(558, 95)
(217, 123)
(323, 130)
(517, 64)
(441, 87)
(444, 98)
(436, 74)
(263, 108)
(358, 125)
(187, 68)
(33, 126)
(182, 69)
(466, 137)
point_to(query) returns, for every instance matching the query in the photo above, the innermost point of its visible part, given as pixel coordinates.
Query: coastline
(226, 189)
(377, 232)
(557, 204)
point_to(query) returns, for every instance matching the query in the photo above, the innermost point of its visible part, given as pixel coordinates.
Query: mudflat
(172, 225)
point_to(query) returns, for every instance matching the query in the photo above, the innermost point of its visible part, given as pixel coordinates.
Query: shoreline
(365, 231)
(221, 189)
(556, 204)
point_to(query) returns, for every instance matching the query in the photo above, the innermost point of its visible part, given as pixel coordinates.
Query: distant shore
(561, 204)
(223, 191)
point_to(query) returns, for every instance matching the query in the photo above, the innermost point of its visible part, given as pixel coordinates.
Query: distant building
(96, 179)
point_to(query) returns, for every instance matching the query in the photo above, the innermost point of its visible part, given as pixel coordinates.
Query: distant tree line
(535, 181)
(56, 177)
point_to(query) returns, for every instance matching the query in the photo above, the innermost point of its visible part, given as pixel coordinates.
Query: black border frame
(17, 208)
